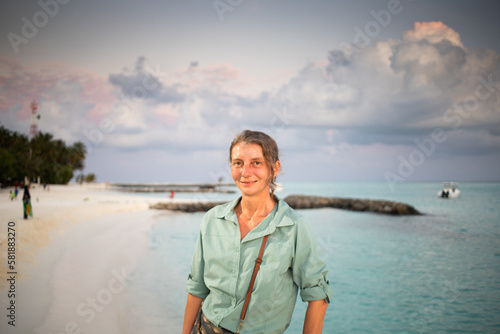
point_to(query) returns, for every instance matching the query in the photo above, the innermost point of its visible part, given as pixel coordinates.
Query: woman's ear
(277, 168)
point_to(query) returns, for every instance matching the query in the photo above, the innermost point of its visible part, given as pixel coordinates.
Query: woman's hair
(269, 150)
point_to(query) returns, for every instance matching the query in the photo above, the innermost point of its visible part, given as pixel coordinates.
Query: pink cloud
(21, 84)
(167, 113)
(434, 32)
(224, 77)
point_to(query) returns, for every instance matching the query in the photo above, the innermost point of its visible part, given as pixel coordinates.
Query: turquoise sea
(435, 273)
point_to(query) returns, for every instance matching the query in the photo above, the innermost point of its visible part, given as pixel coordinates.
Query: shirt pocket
(274, 290)
(278, 256)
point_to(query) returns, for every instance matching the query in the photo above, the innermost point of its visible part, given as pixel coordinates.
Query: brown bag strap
(258, 261)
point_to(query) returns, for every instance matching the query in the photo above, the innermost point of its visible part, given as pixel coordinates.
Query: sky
(393, 91)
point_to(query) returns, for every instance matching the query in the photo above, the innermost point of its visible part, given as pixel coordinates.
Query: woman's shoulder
(288, 214)
(218, 218)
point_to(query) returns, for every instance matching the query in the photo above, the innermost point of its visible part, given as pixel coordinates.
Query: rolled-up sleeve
(196, 284)
(309, 270)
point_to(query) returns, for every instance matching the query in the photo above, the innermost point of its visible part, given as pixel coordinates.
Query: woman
(27, 209)
(229, 241)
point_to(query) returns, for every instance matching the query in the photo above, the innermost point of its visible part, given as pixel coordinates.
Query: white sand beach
(72, 258)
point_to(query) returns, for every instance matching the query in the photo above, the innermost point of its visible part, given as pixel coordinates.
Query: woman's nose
(246, 170)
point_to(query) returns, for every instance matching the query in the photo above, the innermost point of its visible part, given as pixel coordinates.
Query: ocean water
(435, 273)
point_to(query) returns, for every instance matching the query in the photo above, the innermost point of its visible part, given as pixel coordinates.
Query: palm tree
(41, 156)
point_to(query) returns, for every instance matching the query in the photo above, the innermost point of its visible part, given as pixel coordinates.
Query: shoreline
(54, 211)
(82, 241)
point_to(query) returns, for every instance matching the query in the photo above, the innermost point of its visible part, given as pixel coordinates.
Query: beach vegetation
(89, 178)
(43, 156)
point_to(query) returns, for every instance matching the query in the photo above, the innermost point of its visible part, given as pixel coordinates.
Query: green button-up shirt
(223, 264)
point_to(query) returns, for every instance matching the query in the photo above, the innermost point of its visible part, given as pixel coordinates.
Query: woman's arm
(315, 316)
(193, 305)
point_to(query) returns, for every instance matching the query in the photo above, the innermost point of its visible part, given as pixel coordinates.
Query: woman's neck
(251, 211)
(257, 206)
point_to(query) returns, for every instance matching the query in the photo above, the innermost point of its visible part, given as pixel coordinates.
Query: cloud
(141, 83)
(68, 98)
(433, 32)
(375, 104)
(397, 90)
(193, 65)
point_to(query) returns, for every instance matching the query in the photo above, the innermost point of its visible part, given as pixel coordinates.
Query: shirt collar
(227, 211)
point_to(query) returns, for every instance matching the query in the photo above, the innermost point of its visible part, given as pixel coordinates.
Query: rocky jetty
(306, 202)
(378, 206)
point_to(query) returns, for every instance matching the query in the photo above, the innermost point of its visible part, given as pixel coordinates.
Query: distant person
(172, 194)
(16, 192)
(28, 209)
(12, 195)
(232, 236)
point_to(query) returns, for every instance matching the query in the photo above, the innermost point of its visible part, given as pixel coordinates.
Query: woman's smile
(248, 183)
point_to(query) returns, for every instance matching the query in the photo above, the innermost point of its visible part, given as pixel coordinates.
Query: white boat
(450, 190)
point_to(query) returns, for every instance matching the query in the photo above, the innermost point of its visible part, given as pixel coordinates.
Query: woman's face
(249, 169)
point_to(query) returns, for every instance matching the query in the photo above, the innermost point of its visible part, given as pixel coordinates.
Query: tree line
(51, 159)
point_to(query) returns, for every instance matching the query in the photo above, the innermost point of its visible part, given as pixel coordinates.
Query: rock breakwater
(353, 204)
(195, 206)
(306, 202)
